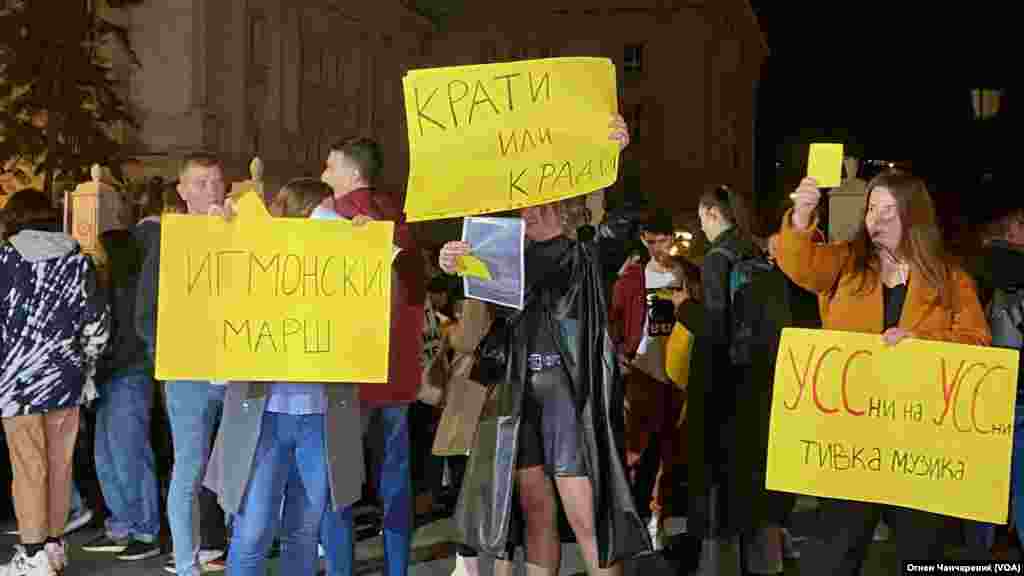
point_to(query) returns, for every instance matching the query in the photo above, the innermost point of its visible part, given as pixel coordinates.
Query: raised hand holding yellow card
(825, 164)
(474, 267)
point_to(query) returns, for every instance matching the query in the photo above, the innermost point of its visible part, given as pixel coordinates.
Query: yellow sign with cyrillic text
(496, 137)
(922, 424)
(273, 299)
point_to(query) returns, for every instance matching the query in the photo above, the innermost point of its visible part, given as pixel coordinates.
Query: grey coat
(230, 465)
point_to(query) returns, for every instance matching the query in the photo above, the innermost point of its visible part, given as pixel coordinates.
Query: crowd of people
(626, 361)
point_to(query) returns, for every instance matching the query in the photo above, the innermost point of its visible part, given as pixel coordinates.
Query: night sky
(893, 82)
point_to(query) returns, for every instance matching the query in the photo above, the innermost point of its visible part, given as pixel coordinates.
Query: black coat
(564, 280)
(126, 351)
(701, 445)
(738, 402)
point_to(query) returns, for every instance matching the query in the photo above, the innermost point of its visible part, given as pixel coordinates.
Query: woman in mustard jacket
(893, 279)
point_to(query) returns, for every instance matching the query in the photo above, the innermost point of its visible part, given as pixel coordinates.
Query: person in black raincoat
(555, 413)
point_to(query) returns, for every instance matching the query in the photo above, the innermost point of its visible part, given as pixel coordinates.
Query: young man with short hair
(352, 169)
(642, 318)
(193, 407)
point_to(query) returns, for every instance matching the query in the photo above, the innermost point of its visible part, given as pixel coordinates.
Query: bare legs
(578, 500)
(537, 500)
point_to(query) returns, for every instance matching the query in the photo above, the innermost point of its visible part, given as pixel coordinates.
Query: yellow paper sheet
(273, 299)
(250, 203)
(497, 137)
(474, 267)
(924, 425)
(825, 164)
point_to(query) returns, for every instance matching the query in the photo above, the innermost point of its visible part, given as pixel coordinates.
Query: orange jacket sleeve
(812, 265)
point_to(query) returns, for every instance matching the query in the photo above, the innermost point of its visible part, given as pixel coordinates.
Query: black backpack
(746, 307)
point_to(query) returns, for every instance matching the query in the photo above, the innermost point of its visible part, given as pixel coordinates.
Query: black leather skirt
(549, 426)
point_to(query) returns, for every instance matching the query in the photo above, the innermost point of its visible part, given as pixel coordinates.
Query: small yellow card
(474, 267)
(825, 164)
(250, 204)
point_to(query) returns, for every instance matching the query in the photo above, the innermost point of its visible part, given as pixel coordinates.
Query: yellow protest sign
(825, 164)
(273, 299)
(907, 425)
(497, 137)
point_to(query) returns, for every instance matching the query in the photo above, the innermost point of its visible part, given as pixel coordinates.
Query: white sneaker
(320, 552)
(460, 566)
(205, 558)
(78, 521)
(657, 531)
(881, 532)
(22, 565)
(58, 554)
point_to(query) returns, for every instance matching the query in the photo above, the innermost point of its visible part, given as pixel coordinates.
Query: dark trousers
(847, 529)
(426, 470)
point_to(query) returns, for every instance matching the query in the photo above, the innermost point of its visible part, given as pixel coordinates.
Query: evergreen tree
(59, 104)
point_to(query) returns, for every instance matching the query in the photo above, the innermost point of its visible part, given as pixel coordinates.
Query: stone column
(846, 204)
(168, 90)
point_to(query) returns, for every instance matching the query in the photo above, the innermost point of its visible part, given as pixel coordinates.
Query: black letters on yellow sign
(283, 274)
(466, 99)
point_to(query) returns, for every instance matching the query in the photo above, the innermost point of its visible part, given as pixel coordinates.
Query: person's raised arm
(812, 265)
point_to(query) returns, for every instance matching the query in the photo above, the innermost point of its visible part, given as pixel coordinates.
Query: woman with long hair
(895, 279)
(731, 503)
(288, 446)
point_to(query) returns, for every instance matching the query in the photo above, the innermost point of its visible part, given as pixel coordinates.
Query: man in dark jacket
(125, 464)
(193, 407)
(640, 321)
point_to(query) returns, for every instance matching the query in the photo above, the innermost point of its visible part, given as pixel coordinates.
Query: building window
(986, 103)
(633, 61)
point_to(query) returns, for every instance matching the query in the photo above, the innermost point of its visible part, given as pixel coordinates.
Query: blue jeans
(394, 490)
(193, 409)
(290, 465)
(125, 464)
(77, 504)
